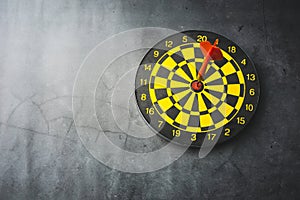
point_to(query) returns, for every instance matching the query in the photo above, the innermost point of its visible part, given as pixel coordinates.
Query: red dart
(210, 52)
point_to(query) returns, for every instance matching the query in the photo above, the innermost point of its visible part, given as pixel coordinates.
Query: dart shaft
(203, 68)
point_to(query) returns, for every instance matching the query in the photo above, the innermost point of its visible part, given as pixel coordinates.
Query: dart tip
(199, 77)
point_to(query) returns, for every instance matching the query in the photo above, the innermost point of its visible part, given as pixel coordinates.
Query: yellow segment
(177, 97)
(223, 97)
(196, 45)
(182, 118)
(216, 67)
(182, 63)
(212, 98)
(214, 76)
(167, 118)
(171, 74)
(178, 106)
(194, 113)
(208, 67)
(226, 55)
(199, 60)
(165, 103)
(212, 109)
(152, 95)
(201, 104)
(177, 84)
(218, 88)
(224, 80)
(205, 120)
(241, 77)
(174, 50)
(188, 53)
(169, 63)
(228, 69)
(222, 123)
(182, 74)
(189, 104)
(234, 89)
(239, 103)
(193, 129)
(155, 69)
(160, 82)
(225, 109)
(192, 66)
(169, 92)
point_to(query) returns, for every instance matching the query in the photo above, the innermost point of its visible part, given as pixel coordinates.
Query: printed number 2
(227, 132)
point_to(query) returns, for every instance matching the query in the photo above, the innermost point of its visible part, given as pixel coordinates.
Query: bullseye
(197, 86)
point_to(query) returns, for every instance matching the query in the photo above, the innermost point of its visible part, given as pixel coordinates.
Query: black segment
(225, 88)
(216, 116)
(178, 57)
(179, 125)
(186, 69)
(209, 72)
(183, 101)
(194, 121)
(190, 60)
(161, 93)
(175, 68)
(231, 100)
(185, 110)
(163, 59)
(231, 114)
(198, 53)
(163, 73)
(221, 72)
(220, 63)
(207, 102)
(204, 112)
(172, 112)
(195, 106)
(216, 82)
(178, 90)
(241, 90)
(198, 66)
(206, 128)
(187, 46)
(152, 85)
(234, 65)
(216, 94)
(158, 107)
(172, 100)
(168, 83)
(219, 104)
(232, 79)
(193, 67)
(180, 79)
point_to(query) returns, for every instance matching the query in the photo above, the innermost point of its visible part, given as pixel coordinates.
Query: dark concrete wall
(42, 46)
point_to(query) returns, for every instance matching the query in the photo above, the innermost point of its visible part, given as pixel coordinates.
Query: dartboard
(194, 85)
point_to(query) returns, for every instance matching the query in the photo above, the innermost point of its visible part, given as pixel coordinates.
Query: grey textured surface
(42, 46)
